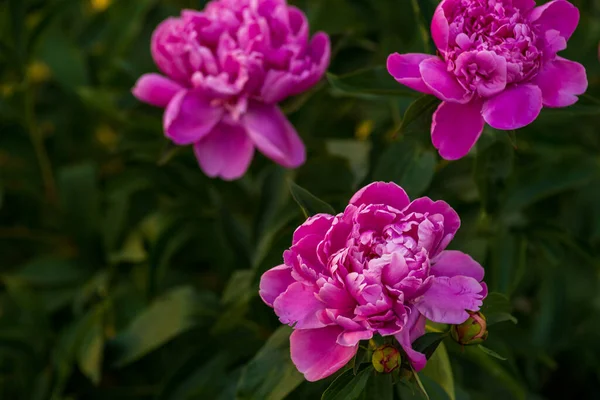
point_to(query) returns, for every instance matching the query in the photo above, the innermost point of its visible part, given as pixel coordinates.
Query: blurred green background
(125, 273)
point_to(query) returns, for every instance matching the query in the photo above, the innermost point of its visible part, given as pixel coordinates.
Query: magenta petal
(352, 338)
(155, 89)
(524, 5)
(443, 84)
(558, 14)
(273, 135)
(274, 282)
(447, 299)
(405, 69)
(440, 30)
(318, 224)
(387, 193)
(561, 81)
(514, 108)
(189, 117)
(456, 128)
(226, 152)
(413, 329)
(453, 263)
(298, 306)
(424, 205)
(316, 354)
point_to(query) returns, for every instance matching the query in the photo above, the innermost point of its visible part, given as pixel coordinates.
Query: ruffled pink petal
(561, 81)
(352, 338)
(273, 135)
(316, 354)
(226, 152)
(456, 128)
(443, 84)
(298, 306)
(318, 224)
(524, 5)
(424, 205)
(189, 117)
(514, 108)
(414, 328)
(558, 14)
(454, 263)
(447, 299)
(274, 282)
(405, 69)
(155, 89)
(387, 193)
(440, 30)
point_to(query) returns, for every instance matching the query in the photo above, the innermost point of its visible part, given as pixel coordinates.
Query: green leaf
(535, 184)
(309, 203)
(347, 386)
(238, 286)
(429, 342)
(368, 83)
(64, 59)
(379, 386)
(360, 356)
(167, 317)
(497, 308)
(91, 349)
(407, 165)
(80, 199)
(270, 375)
(438, 368)
(491, 353)
(49, 272)
(423, 107)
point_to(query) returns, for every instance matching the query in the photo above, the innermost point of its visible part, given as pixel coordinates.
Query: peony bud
(472, 331)
(386, 359)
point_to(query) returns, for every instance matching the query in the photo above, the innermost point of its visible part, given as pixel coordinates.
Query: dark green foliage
(128, 274)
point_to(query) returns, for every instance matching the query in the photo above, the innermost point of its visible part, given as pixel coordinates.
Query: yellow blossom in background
(364, 129)
(106, 136)
(38, 72)
(100, 5)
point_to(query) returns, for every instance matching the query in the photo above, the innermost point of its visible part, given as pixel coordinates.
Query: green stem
(37, 141)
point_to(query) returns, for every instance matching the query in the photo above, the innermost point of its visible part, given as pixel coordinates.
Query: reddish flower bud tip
(386, 359)
(472, 331)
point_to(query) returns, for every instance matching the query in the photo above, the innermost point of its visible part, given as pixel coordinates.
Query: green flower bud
(386, 359)
(472, 331)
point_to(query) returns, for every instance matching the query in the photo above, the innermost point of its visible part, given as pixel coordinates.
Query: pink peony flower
(497, 64)
(380, 267)
(226, 69)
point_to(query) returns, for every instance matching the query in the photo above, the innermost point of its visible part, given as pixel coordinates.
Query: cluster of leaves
(128, 274)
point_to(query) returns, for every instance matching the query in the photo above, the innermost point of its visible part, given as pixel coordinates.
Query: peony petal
(561, 81)
(155, 89)
(558, 14)
(451, 219)
(441, 82)
(524, 5)
(448, 298)
(456, 128)
(189, 117)
(273, 135)
(440, 30)
(413, 329)
(454, 263)
(514, 108)
(405, 69)
(352, 338)
(318, 224)
(387, 193)
(298, 306)
(316, 354)
(274, 282)
(226, 152)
